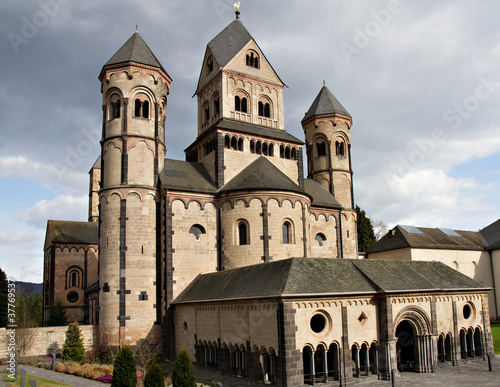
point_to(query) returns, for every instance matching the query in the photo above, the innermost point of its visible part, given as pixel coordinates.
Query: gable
(264, 70)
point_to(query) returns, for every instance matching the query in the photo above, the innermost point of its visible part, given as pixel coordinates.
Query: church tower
(327, 129)
(134, 86)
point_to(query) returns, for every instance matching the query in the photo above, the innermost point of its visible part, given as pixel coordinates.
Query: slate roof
(315, 277)
(61, 231)
(186, 176)
(135, 50)
(229, 42)
(325, 103)
(491, 235)
(430, 238)
(97, 164)
(261, 175)
(321, 197)
(257, 130)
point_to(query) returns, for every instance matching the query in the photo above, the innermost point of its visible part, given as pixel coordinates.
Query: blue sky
(421, 80)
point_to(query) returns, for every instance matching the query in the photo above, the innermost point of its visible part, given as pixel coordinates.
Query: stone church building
(232, 253)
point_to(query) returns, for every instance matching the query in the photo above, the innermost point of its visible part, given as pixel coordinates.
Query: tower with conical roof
(134, 86)
(327, 129)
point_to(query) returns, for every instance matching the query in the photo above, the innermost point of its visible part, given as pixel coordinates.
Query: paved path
(472, 373)
(57, 376)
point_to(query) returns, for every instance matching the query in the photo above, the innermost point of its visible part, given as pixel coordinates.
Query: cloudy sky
(420, 78)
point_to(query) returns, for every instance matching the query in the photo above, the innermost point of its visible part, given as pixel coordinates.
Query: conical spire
(135, 50)
(325, 103)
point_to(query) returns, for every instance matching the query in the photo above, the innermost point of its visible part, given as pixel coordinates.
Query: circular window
(318, 323)
(72, 297)
(467, 311)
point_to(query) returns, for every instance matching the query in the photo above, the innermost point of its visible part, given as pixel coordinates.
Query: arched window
(264, 108)
(240, 144)
(339, 148)
(206, 110)
(210, 64)
(287, 153)
(145, 109)
(287, 229)
(115, 109)
(217, 105)
(320, 238)
(234, 145)
(265, 149)
(252, 59)
(271, 149)
(321, 148)
(137, 108)
(282, 151)
(293, 155)
(74, 277)
(258, 148)
(252, 146)
(197, 230)
(243, 234)
(227, 144)
(240, 104)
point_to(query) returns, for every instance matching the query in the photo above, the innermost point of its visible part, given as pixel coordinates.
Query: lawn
(39, 381)
(495, 331)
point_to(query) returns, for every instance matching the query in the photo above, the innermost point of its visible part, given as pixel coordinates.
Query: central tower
(134, 86)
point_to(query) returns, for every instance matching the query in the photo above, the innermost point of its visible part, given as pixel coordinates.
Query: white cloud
(57, 173)
(11, 237)
(63, 207)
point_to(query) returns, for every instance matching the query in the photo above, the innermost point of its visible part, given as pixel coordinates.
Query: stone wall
(48, 339)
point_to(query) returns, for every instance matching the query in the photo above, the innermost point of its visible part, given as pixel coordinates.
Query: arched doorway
(333, 361)
(415, 347)
(478, 342)
(405, 351)
(319, 364)
(441, 349)
(355, 360)
(447, 347)
(308, 365)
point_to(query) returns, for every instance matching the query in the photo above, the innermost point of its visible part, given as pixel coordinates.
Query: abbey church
(234, 253)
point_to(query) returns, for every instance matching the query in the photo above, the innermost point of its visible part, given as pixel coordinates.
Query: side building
(473, 253)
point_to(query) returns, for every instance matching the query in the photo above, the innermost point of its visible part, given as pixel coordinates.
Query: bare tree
(379, 227)
(145, 352)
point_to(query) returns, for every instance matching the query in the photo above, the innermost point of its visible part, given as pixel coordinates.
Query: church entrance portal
(405, 350)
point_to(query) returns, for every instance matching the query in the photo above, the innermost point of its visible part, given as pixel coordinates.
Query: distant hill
(28, 287)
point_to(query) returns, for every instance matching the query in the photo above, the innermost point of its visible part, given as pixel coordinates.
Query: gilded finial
(237, 7)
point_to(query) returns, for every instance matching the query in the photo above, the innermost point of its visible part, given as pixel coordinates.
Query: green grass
(39, 381)
(495, 331)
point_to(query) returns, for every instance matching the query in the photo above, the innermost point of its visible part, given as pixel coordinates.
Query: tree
(366, 235)
(145, 353)
(154, 377)
(379, 227)
(28, 309)
(183, 374)
(58, 316)
(4, 308)
(124, 371)
(73, 345)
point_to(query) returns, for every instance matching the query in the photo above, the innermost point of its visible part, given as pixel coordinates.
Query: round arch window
(320, 323)
(467, 311)
(72, 297)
